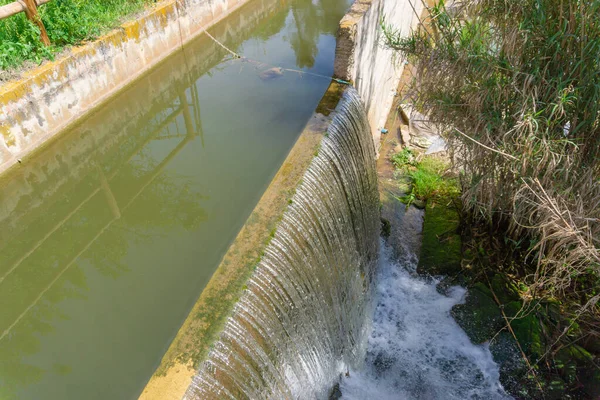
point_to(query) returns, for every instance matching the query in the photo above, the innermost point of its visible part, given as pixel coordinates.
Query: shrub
(515, 87)
(68, 22)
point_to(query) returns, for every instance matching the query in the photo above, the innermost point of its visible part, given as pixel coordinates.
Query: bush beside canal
(541, 352)
(68, 22)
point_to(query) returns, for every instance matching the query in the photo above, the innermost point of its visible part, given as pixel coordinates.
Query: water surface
(112, 231)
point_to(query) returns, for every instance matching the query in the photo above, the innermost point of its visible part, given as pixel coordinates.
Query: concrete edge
(208, 316)
(345, 46)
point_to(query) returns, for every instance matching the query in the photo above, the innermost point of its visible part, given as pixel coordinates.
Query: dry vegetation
(515, 87)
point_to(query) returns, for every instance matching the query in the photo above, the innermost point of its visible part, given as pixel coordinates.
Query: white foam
(416, 350)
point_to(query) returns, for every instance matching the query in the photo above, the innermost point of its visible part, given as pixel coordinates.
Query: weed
(405, 158)
(429, 178)
(517, 99)
(68, 22)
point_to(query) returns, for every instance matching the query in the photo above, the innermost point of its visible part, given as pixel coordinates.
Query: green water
(110, 233)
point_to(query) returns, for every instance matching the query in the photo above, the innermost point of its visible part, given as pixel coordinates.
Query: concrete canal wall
(48, 99)
(362, 58)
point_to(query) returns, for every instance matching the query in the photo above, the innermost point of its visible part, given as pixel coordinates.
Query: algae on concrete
(441, 246)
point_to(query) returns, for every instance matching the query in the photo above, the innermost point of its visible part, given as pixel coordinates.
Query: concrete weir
(360, 59)
(206, 320)
(48, 99)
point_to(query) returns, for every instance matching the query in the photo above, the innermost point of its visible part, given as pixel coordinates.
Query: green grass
(430, 180)
(68, 22)
(403, 159)
(429, 176)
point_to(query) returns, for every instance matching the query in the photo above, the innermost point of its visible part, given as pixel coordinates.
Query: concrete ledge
(50, 98)
(208, 316)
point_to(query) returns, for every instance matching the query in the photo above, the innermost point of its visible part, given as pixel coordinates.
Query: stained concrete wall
(47, 99)
(362, 59)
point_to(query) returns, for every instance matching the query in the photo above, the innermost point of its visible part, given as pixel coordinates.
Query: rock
(576, 366)
(406, 111)
(505, 291)
(568, 359)
(335, 393)
(441, 245)
(405, 135)
(479, 316)
(448, 282)
(421, 142)
(528, 329)
(420, 133)
(420, 204)
(513, 369)
(438, 145)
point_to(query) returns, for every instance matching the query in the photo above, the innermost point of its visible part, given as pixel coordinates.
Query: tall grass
(68, 22)
(514, 85)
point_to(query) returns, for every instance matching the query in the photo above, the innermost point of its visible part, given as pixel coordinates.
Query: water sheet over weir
(304, 318)
(112, 231)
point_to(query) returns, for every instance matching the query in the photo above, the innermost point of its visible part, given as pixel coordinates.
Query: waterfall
(416, 350)
(303, 319)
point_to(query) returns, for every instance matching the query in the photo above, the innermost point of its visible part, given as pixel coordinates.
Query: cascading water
(304, 318)
(416, 350)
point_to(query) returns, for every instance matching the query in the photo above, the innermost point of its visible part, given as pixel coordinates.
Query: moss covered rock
(440, 251)
(577, 367)
(479, 316)
(505, 290)
(528, 329)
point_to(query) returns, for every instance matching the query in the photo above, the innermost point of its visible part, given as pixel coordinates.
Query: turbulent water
(416, 350)
(304, 318)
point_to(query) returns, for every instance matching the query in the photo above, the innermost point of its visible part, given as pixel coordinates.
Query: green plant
(68, 22)
(404, 158)
(515, 84)
(515, 87)
(430, 180)
(428, 176)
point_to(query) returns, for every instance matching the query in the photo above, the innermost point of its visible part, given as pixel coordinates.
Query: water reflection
(312, 19)
(111, 232)
(116, 204)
